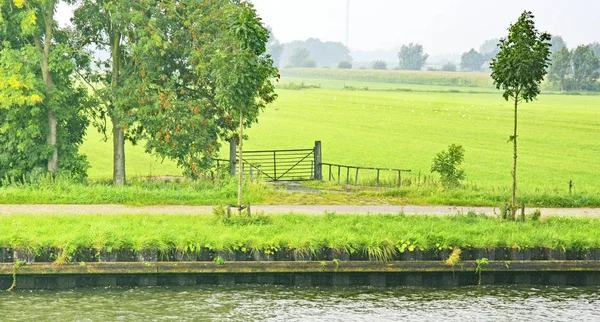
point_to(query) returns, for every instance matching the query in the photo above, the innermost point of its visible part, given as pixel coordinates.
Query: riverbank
(381, 237)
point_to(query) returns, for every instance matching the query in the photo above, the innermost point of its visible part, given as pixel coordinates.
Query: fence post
(399, 178)
(274, 166)
(377, 182)
(356, 178)
(318, 166)
(232, 156)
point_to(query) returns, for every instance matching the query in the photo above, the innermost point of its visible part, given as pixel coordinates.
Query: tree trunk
(119, 177)
(49, 83)
(51, 140)
(241, 171)
(513, 207)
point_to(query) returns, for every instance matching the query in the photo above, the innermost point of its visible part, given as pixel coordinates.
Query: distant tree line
(575, 69)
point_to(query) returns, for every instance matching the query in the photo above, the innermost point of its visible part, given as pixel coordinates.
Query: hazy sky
(441, 26)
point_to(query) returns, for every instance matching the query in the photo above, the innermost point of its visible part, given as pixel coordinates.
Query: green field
(558, 139)
(403, 125)
(380, 236)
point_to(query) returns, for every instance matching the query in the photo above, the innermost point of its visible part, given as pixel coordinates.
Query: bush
(446, 162)
(449, 67)
(379, 64)
(344, 64)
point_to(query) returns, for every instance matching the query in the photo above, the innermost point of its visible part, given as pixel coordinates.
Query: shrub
(449, 67)
(446, 164)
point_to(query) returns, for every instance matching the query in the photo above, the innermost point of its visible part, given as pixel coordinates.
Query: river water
(278, 303)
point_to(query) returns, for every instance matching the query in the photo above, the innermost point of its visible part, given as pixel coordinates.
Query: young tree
(41, 109)
(560, 68)
(411, 57)
(586, 68)
(446, 164)
(108, 25)
(518, 70)
(471, 61)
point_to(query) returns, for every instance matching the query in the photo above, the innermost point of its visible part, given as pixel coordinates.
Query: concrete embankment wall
(328, 267)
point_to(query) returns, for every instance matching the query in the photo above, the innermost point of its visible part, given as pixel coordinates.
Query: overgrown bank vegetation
(374, 235)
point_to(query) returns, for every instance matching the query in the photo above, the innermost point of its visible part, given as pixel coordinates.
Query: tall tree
(274, 48)
(595, 47)
(324, 53)
(412, 57)
(471, 61)
(203, 69)
(518, 70)
(557, 43)
(586, 68)
(489, 49)
(560, 68)
(300, 57)
(107, 25)
(37, 64)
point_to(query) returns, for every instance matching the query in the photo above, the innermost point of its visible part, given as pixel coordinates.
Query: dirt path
(277, 209)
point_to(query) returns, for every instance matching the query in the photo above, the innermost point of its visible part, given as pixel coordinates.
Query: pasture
(405, 125)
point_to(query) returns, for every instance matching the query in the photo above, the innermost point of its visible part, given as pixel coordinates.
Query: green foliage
(274, 48)
(411, 57)
(479, 268)
(586, 68)
(560, 68)
(379, 64)
(489, 49)
(449, 67)
(322, 53)
(300, 57)
(557, 43)
(446, 164)
(520, 66)
(518, 70)
(471, 61)
(379, 235)
(595, 47)
(194, 93)
(344, 64)
(31, 94)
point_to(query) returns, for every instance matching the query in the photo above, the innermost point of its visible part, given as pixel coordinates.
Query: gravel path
(277, 209)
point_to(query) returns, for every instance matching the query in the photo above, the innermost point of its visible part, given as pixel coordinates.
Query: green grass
(372, 234)
(557, 133)
(224, 191)
(137, 162)
(400, 123)
(137, 192)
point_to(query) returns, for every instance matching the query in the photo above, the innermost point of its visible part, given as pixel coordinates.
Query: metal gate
(281, 165)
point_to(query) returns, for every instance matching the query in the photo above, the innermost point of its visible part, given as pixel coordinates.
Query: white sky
(441, 26)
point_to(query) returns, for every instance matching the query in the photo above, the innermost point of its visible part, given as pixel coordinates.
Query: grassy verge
(370, 234)
(221, 192)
